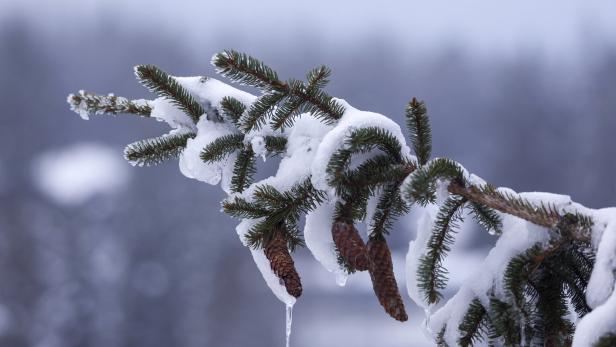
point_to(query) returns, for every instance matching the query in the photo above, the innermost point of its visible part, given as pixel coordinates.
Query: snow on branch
(548, 280)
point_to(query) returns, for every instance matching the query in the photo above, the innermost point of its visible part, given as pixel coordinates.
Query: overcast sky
(547, 27)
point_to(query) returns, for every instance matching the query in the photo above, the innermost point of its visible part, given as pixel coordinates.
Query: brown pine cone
(281, 262)
(350, 245)
(383, 280)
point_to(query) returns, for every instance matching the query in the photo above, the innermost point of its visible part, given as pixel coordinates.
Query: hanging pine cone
(281, 262)
(383, 280)
(350, 245)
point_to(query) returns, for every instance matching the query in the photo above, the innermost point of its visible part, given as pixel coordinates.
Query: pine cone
(350, 245)
(383, 280)
(281, 262)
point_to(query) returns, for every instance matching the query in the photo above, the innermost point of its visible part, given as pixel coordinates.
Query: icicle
(425, 326)
(289, 323)
(341, 279)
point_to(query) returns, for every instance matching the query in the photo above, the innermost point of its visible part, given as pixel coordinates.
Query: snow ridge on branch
(339, 166)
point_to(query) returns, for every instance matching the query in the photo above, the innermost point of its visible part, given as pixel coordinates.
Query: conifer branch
(275, 144)
(431, 275)
(260, 110)
(504, 323)
(156, 150)
(362, 140)
(608, 340)
(473, 326)
(318, 77)
(487, 218)
(233, 109)
(220, 148)
(440, 337)
(419, 126)
(245, 69)
(422, 188)
(240, 208)
(288, 110)
(552, 325)
(283, 207)
(84, 104)
(543, 215)
(243, 170)
(538, 283)
(390, 206)
(166, 86)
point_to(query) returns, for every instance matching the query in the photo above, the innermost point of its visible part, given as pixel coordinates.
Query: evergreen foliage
(419, 127)
(166, 86)
(422, 188)
(108, 104)
(608, 340)
(233, 109)
(282, 101)
(243, 170)
(503, 323)
(275, 144)
(542, 285)
(474, 326)
(221, 147)
(156, 150)
(431, 275)
(486, 217)
(281, 207)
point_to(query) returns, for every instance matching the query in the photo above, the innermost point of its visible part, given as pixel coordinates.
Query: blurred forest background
(94, 252)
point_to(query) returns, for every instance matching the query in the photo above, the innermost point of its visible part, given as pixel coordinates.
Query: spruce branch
(440, 337)
(607, 340)
(283, 207)
(473, 326)
(487, 218)
(84, 104)
(539, 283)
(545, 215)
(389, 207)
(156, 150)
(419, 126)
(233, 109)
(373, 173)
(243, 170)
(166, 86)
(260, 110)
(504, 323)
(362, 140)
(519, 273)
(422, 188)
(292, 106)
(318, 77)
(222, 147)
(245, 69)
(431, 275)
(275, 144)
(552, 325)
(240, 208)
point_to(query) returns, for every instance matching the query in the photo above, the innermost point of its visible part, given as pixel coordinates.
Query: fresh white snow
(74, 175)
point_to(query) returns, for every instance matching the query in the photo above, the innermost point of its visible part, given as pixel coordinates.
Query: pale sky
(552, 27)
